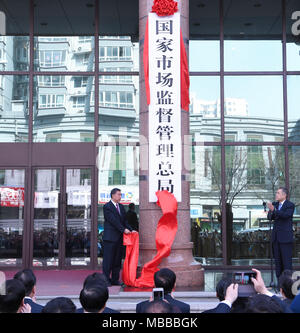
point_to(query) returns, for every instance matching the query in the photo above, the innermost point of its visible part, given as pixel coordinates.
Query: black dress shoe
(116, 283)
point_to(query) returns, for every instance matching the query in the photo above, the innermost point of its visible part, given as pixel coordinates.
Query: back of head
(221, 288)
(95, 278)
(13, 298)
(239, 305)
(158, 306)
(27, 277)
(131, 206)
(165, 278)
(262, 304)
(60, 305)
(286, 283)
(93, 297)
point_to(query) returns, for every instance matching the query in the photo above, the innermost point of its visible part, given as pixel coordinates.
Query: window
(84, 39)
(101, 98)
(126, 99)
(52, 58)
(80, 81)
(115, 53)
(78, 101)
(51, 81)
(50, 101)
(111, 99)
(102, 52)
(116, 99)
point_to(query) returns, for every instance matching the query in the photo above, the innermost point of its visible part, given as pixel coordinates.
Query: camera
(243, 279)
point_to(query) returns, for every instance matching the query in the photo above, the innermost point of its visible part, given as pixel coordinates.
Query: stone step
(125, 302)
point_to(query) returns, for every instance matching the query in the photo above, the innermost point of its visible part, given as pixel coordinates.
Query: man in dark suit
(286, 283)
(227, 293)
(281, 212)
(132, 217)
(90, 280)
(93, 298)
(115, 224)
(27, 277)
(166, 279)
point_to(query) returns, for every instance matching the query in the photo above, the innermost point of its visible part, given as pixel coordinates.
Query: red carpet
(61, 282)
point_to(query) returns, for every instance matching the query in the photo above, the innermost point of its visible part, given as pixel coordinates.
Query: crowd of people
(21, 292)
(248, 244)
(264, 301)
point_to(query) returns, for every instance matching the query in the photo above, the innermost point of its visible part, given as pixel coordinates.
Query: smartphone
(157, 294)
(243, 279)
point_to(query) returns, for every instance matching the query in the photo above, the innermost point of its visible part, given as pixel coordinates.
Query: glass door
(46, 217)
(78, 217)
(12, 182)
(62, 217)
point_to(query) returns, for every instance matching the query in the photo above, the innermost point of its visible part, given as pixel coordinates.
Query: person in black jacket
(93, 298)
(13, 299)
(281, 212)
(90, 280)
(27, 277)
(166, 279)
(260, 288)
(160, 306)
(60, 305)
(286, 282)
(115, 224)
(132, 217)
(227, 292)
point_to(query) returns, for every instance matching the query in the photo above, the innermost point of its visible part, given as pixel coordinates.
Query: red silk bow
(165, 235)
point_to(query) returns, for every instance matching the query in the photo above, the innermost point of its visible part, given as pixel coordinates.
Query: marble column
(189, 272)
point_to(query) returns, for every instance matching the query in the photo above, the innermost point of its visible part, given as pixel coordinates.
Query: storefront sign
(12, 196)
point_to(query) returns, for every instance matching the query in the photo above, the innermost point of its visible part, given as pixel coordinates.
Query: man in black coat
(227, 293)
(132, 217)
(281, 212)
(115, 224)
(166, 279)
(89, 294)
(27, 277)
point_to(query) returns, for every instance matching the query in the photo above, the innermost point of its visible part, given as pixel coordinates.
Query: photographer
(227, 292)
(260, 288)
(166, 279)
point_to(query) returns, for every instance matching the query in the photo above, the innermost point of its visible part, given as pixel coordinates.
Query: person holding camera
(227, 292)
(165, 279)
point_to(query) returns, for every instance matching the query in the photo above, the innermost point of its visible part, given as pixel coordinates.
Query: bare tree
(236, 167)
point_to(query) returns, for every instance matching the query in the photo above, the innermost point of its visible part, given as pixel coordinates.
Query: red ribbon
(164, 238)
(184, 71)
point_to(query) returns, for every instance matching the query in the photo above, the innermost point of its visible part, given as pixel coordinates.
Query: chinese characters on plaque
(165, 107)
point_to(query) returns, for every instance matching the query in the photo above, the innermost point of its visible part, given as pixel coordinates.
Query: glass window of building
(255, 100)
(206, 204)
(205, 111)
(14, 108)
(293, 109)
(292, 35)
(252, 35)
(253, 174)
(204, 44)
(12, 182)
(63, 108)
(118, 166)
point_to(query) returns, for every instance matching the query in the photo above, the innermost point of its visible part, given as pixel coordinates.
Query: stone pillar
(189, 272)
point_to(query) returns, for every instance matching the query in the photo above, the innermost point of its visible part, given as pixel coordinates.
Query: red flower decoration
(164, 7)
